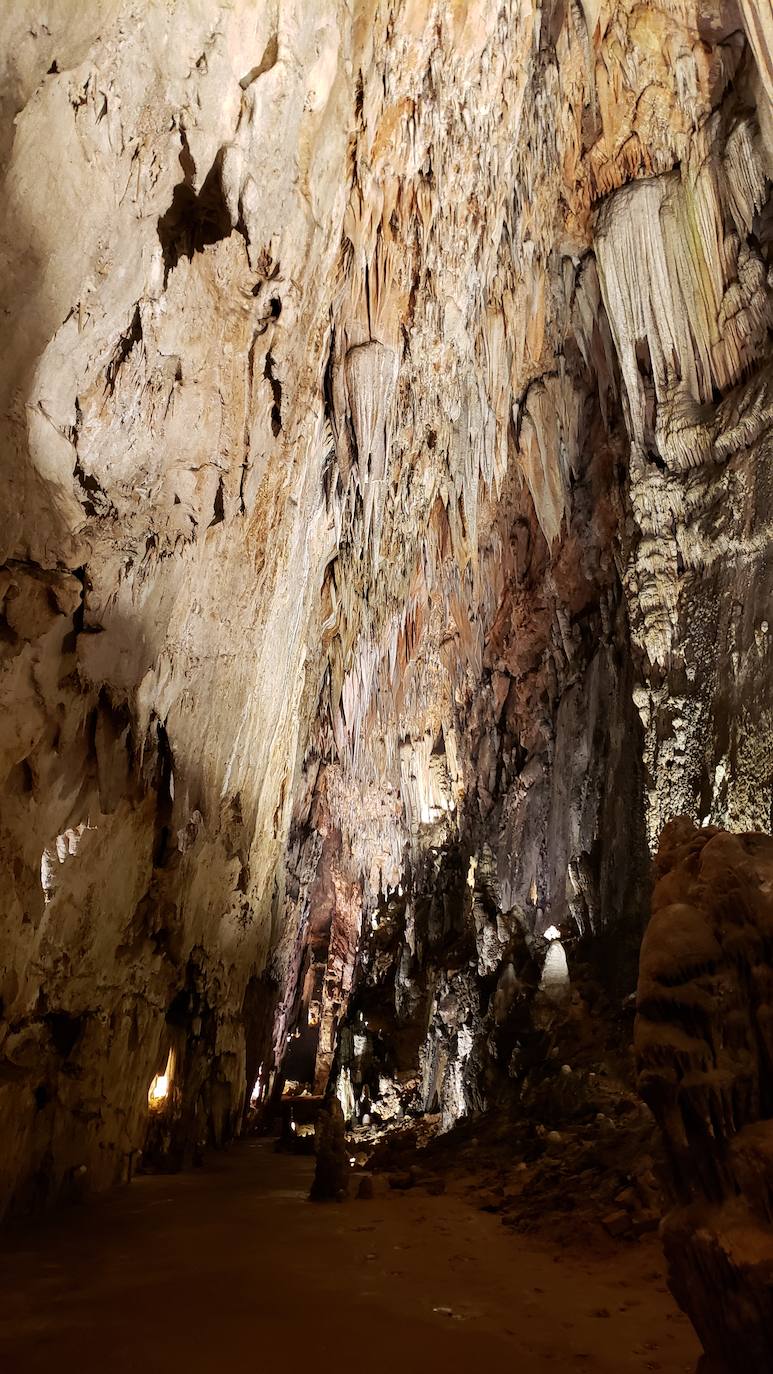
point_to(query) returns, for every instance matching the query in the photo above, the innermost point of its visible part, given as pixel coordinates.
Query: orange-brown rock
(704, 1045)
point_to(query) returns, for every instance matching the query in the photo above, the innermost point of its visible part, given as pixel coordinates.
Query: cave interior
(386, 685)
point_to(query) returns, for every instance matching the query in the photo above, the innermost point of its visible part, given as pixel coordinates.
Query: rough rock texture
(385, 454)
(446, 1014)
(332, 1170)
(704, 1044)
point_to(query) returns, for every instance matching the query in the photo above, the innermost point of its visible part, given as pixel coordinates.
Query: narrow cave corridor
(386, 684)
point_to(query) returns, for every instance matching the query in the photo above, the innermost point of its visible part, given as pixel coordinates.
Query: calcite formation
(385, 453)
(704, 1046)
(445, 1016)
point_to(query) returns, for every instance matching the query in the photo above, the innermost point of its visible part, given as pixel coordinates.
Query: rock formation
(386, 405)
(332, 1170)
(705, 1052)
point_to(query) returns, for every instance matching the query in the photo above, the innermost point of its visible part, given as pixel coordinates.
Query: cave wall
(164, 537)
(385, 439)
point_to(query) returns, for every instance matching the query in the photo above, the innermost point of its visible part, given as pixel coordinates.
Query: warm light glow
(257, 1088)
(159, 1088)
(552, 933)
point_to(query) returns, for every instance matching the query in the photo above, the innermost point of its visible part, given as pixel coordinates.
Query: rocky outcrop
(705, 1056)
(385, 461)
(332, 1170)
(444, 1016)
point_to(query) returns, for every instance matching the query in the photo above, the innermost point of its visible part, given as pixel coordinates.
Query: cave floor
(230, 1267)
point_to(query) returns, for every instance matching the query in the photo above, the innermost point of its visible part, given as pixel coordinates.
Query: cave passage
(386, 686)
(232, 1268)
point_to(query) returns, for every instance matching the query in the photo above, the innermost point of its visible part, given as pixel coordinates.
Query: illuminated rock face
(704, 1046)
(444, 1018)
(385, 455)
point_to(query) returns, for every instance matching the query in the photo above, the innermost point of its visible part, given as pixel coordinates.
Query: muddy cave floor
(232, 1267)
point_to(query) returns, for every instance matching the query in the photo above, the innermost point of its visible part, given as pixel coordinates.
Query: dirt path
(231, 1269)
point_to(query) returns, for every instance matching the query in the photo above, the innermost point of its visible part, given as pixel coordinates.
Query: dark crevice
(162, 781)
(126, 344)
(328, 466)
(194, 221)
(276, 391)
(65, 1031)
(43, 1096)
(69, 641)
(327, 384)
(219, 512)
(247, 414)
(90, 485)
(359, 96)
(186, 159)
